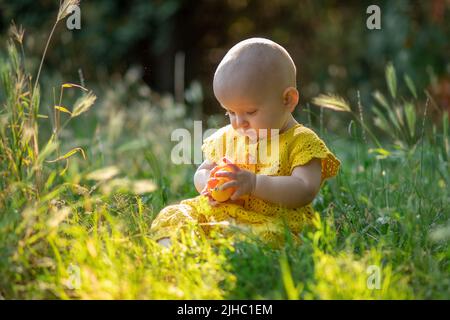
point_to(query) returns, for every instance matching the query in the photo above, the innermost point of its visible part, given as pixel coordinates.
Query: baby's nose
(241, 122)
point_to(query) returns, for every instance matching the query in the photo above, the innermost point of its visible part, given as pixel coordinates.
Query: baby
(256, 84)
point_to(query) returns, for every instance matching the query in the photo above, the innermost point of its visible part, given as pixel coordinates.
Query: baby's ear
(290, 98)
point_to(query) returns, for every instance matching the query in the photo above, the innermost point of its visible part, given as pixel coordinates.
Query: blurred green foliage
(328, 39)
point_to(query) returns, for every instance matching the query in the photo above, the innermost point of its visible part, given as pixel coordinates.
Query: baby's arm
(201, 176)
(296, 190)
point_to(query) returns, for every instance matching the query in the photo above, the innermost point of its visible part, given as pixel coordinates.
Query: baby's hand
(206, 192)
(243, 180)
(214, 179)
(215, 203)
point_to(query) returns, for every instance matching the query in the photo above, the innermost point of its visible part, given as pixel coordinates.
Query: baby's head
(256, 83)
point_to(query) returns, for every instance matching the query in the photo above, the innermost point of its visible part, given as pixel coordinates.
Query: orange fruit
(215, 182)
(222, 195)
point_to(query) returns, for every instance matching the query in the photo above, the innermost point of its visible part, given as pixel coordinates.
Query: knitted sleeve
(305, 146)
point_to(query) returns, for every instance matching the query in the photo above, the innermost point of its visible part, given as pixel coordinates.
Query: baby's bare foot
(165, 242)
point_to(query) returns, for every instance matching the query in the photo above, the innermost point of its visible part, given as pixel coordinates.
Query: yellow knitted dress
(296, 146)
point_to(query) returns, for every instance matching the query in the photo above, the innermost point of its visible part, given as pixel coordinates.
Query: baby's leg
(170, 220)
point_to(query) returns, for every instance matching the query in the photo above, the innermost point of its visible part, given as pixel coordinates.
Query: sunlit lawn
(76, 224)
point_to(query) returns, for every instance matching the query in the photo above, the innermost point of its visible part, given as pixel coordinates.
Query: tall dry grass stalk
(62, 13)
(20, 138)
(337, 103)
(361, 116)
(333, 102)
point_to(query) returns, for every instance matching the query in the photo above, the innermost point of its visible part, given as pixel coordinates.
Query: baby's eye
(253, 112)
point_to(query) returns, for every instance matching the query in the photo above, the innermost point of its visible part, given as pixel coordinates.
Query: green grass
(68, 231)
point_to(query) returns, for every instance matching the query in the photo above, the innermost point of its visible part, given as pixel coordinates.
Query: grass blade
(410, 85)
(391, 79)
(63, 109)
(73, 85)
(69, 154)
(410, 113)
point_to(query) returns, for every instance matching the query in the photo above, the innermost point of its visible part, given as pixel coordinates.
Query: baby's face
(253, 111)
